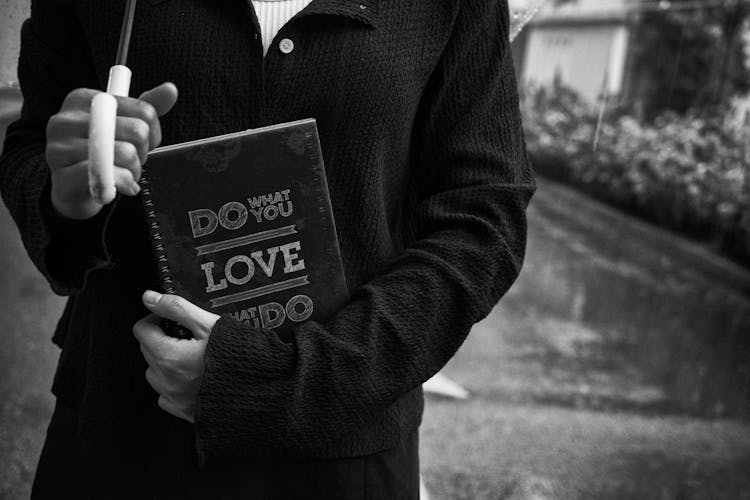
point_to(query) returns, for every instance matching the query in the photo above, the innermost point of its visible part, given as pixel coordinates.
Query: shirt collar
(364, 11)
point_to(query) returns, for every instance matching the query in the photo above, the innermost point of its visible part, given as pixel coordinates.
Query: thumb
(162, 97)
(197, 320)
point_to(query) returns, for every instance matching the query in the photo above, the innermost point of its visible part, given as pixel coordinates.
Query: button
(362, 6)
(286, 45)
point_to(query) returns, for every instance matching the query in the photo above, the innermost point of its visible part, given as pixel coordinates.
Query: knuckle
(73, 95)
(140, 131)
(53, 121)
(63, 124)
(128, 151)
(55, 125)
(138, 327)
(179, 308)
(167, 388)
(51, 158)
(78, 97)
(165, 359)
(135, 169)
(52, 153)
(173, 302)
(78, 93)
(151, 378)
(147, 111)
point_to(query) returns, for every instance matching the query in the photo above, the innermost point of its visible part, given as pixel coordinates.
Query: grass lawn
(492, 448)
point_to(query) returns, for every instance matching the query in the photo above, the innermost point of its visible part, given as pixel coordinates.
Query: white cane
(104, 118)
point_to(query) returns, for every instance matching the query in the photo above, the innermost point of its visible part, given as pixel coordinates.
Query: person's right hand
(137, 132)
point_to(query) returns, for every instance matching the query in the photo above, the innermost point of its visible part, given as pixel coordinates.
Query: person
(417, 111)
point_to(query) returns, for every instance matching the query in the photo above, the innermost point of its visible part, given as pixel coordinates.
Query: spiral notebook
(241, 224)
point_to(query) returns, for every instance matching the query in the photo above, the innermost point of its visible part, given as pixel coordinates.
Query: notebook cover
(241, 224)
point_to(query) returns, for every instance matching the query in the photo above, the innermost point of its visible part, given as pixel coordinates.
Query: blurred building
(12, 15)
(583, 42)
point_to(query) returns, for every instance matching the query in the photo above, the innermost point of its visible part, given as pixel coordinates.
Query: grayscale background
(618, 366)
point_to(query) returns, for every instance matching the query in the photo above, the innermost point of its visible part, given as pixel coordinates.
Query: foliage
(688, 172)
(689, 58)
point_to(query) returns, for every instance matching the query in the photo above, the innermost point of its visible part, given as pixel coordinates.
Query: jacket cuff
(244, 375)
(74, 247)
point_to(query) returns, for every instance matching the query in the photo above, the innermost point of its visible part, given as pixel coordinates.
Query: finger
(169, 407)
(150, 104)
(71, 191)
(126, 156)
(79, 99)
(67, 124)
(133, 109)
(125, 183)
(135, 131)
(162, 97)
(155, 380)
(151, 360)
(197, 320)
(72, 180)
(150, 335)
(62, 154)
(132, 123)
(165, 405)
(148, 107)
(159, 383)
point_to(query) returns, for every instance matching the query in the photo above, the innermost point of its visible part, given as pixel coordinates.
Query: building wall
(584, 55)
(12, 14)
(587, 6)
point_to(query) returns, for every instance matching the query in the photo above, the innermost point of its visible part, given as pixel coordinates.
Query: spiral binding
(160, 252)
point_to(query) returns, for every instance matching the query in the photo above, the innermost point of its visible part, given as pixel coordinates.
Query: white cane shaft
(119, 80)
(102, 148)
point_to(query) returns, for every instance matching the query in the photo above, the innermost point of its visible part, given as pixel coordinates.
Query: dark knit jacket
(417, 110)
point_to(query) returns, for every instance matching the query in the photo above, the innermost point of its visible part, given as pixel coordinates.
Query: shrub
(688, 172)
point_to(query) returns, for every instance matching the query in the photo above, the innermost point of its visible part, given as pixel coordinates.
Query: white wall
(582, 55)
(576, 7)
(12, 14)
(589, 6)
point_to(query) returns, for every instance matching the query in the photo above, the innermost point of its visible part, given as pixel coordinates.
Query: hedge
(686, 172)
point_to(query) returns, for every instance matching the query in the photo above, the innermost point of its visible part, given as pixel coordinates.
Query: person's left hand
(175, 366)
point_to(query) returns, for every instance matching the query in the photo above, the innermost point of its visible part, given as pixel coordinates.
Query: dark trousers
(63, 473)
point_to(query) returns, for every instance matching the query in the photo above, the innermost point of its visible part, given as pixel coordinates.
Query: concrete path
(618, 366)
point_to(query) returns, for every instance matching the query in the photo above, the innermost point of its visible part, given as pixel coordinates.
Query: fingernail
(151, 298)
(135, 188)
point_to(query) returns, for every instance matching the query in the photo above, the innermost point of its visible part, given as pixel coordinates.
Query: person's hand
(175, 366)
(137, 132)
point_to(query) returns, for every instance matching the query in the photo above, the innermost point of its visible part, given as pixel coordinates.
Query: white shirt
(273, 14)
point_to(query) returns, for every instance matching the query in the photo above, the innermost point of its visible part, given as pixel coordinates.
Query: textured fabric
(273, 14)
(173, 473)
(418, 117)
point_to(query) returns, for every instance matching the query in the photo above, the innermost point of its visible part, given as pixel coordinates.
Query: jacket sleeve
(270, 395)
(54, 60)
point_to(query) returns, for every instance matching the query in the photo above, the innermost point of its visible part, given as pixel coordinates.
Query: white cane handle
(119, 80)
(102, 148)
(102, 135)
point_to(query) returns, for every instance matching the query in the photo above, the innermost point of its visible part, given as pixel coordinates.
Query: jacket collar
(364, 11)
